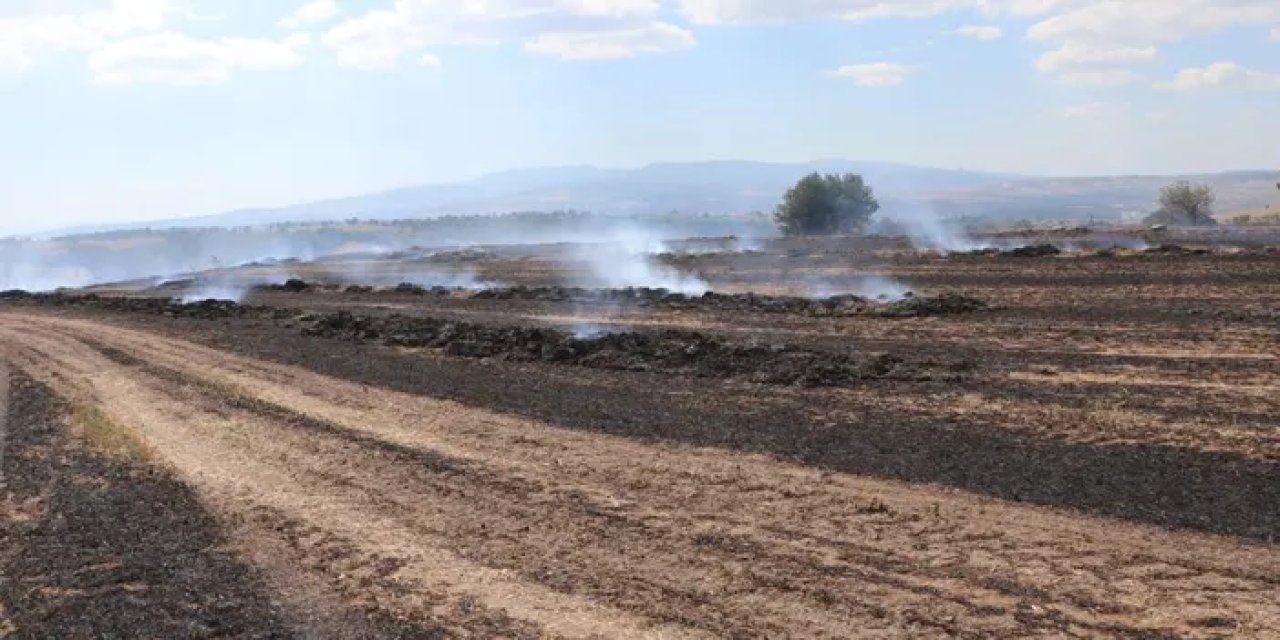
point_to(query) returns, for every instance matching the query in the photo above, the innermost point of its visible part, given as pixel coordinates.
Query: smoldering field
(1096, 323)
(82, 260)
(615, 251)
(1033, 443)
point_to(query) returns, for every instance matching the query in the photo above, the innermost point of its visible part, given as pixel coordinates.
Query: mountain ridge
(734, 186)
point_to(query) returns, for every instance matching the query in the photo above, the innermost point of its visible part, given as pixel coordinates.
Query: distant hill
(737, 186)
(717, 187)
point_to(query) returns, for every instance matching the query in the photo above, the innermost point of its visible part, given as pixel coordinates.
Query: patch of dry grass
(1111, 420)
(100, 432)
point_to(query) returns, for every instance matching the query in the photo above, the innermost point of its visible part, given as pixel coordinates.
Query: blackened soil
(99, 547)
(689, 353)
(834, 306)
(102, 547)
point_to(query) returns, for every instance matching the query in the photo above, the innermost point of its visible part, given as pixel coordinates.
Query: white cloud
(298, 40)
(1097, 78)
(981, 32)
(1097, 40)
(876, 74)
(754, 11)
(176, 59)
(766, 11)
(1076, 55)
(565, 28)
(430, 60)
(311, 13)
(1080, 64)
(611, 8)
(1094, 110)
(26, 37)
(1143, 22)
(375, 40)
(1089, 43)
(611, 44)
(1222, 75)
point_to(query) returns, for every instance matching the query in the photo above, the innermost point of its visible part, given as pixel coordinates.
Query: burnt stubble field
(1080, 443)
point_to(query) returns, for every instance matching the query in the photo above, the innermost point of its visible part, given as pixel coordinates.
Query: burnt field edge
(120, 547)
(99, 545)
(1163, 485)
(681, 352)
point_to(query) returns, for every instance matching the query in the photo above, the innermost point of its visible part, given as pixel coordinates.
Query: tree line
(838, 204)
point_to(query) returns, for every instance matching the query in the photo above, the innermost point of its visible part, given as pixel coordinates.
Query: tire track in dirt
(701, 539)
(369, 491)
(241, 471)
(908, 433)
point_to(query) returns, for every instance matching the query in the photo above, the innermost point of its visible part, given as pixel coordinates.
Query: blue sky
(136, 109)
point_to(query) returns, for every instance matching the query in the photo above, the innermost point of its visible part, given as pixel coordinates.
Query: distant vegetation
(1185, 204)
(1253, 217)
(826, 205)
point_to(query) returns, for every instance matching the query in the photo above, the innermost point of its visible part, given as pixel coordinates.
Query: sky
(116, 110)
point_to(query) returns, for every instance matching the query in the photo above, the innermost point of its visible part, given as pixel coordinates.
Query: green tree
(826, 205)
(1183, 203)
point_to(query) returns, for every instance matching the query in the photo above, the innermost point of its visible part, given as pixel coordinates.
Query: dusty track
(460, 518)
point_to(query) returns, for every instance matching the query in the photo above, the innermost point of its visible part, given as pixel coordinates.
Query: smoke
(921, 224)
(713, 246)
(589, 330)
(874, 287)
(629, 258)
(35, 277)
(34, 267)
(389, 269)
(214, 292)
(80, 261)
(84, 260)
(883, 288)
(227, 286)
(626, 257)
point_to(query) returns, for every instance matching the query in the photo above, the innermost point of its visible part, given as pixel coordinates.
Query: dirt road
(358, 502)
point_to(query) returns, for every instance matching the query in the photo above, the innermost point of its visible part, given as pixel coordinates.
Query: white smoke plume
(628, 258)
(228, 286)
(874, 287)
(388, 270)
(214, 292)
(42, 264)
(921, 224)
(883, 288)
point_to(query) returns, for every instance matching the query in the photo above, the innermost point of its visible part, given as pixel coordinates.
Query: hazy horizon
(15, 227)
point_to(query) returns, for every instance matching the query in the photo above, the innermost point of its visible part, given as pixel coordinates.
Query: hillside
(718, 187)
(738, 187)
